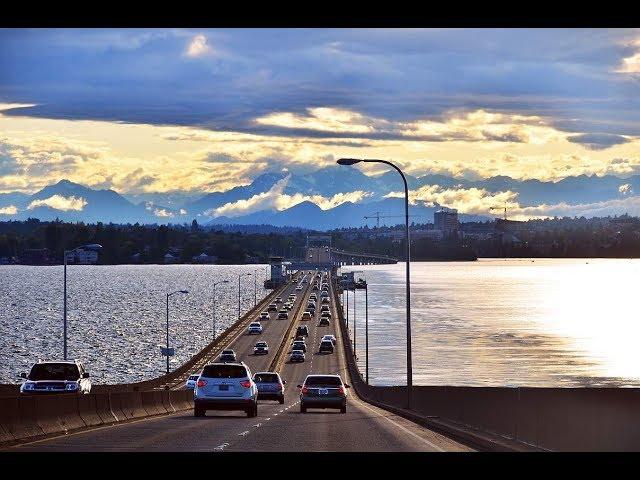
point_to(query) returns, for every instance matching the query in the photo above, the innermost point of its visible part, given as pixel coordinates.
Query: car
(302, 330)
(324, 322)
(225, 386)
(191, 381)
(323, 391)
(255, 327)
(261, 348)
(325, 300)
(278, 299)
(288, 306)
(264, 316)
(298, 289)
(315, 287)
(313, 297)
(306, 315)
(311, 306)
(270, 386)
(299, 337)
(324, 308)
(283, 315)
(326, 314)
(292, 298)
(272, 307)
(56, 377)
(299, 345)
(326, 346)
(332, 338)
(296, 356)
(228, 356)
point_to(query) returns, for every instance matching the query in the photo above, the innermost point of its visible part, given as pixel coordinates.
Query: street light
(167, 350)
(214, 305)
(239, 277)
(92, 246)
(353, 161)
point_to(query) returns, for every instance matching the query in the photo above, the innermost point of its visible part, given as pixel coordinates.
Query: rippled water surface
(116, 315)
(566, 322)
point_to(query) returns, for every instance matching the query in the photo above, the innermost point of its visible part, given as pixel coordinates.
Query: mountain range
(70, 201)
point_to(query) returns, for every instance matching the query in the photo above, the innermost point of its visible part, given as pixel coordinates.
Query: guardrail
(29, 418)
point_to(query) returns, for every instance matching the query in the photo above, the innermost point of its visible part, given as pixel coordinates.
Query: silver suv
(56, 377)
(225, 386)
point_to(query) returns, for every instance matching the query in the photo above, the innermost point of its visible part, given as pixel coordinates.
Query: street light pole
(168, 295)
(92, 246)
(355, 325)
(215, 329)
(239, 277)
(352, 161)
(366, 330)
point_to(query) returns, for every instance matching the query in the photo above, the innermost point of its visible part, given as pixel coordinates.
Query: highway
(278, 427)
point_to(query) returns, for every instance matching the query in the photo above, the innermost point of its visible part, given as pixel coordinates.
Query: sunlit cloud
(323, 119)
(625, 189)
(631, 64)
(199, 47)
(276, 200)
(60, 202)
(8, 210)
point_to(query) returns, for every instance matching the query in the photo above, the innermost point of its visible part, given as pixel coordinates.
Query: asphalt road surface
(278, 427)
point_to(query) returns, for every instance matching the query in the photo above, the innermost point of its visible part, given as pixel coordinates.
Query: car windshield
(266, 378)
(227, 352)
(194, 377)
(313, 381)
(224, 371)
(54, 371)
(261, 344)
(297, 352)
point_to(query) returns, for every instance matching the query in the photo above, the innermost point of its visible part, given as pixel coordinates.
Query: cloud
(59, 202)
(466, 200)
(276, 200)
(631, 64)
(625, 189)
(198, 47)
(598, 141)
(162, 212)
(8, 210)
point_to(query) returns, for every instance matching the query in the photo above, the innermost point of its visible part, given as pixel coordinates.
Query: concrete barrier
(152, 403)
(104, 409)
(88, 410)
(166, 402)
(69, 413)
(27, 425)
(9, 416)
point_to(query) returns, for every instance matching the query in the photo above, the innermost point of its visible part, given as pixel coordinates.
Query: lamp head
(348, 161)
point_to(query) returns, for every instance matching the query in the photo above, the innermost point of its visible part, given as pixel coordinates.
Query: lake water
(490, 322)
(116, 315)
(548, 322)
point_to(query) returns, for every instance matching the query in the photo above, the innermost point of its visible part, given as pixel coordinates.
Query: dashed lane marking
(221, 447)
(242, 434)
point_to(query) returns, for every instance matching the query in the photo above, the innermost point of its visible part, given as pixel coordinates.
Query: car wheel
(281, 400)
(198, 412)
(343, 409)
(303, 409)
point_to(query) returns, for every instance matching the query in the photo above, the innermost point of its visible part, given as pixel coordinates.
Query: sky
(195, 111)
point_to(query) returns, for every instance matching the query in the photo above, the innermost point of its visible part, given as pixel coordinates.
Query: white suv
(56, 377)
(225, 386)
(255, 327)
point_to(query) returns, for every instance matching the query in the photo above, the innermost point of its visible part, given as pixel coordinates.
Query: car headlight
(71, 386)
(28, 386)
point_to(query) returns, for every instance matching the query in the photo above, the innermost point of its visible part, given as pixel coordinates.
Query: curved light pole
(214, 305)
(353, 161)
(239, 277)
(92, 246)
(169, 295)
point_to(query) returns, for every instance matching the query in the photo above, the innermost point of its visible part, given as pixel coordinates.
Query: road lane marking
(242, 434)
(257, 424)
(221, 447)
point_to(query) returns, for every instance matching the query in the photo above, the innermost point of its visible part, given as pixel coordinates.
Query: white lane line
(257, 425)
(243, 433)
(221, 447)
(268, 418)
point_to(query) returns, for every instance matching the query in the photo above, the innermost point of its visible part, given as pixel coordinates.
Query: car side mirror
(23, 375)
(284, 382)
(85, 375)
(347, 386)
(299, 386)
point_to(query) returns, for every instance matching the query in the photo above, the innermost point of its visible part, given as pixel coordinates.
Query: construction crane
(500, 208)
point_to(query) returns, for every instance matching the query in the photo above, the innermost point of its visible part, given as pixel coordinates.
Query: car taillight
(305, 390)
(340, 391)
(246, 383)
(279, 386)
(201, 383)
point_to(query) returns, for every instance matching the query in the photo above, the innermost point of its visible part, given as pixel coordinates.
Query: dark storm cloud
(597, 141)
(144, 76)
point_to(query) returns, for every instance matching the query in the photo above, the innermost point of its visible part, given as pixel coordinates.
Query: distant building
(398, 236)
(168, 258)
(35, 256)
(204, 258)
(446, 220)
(81, 256)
